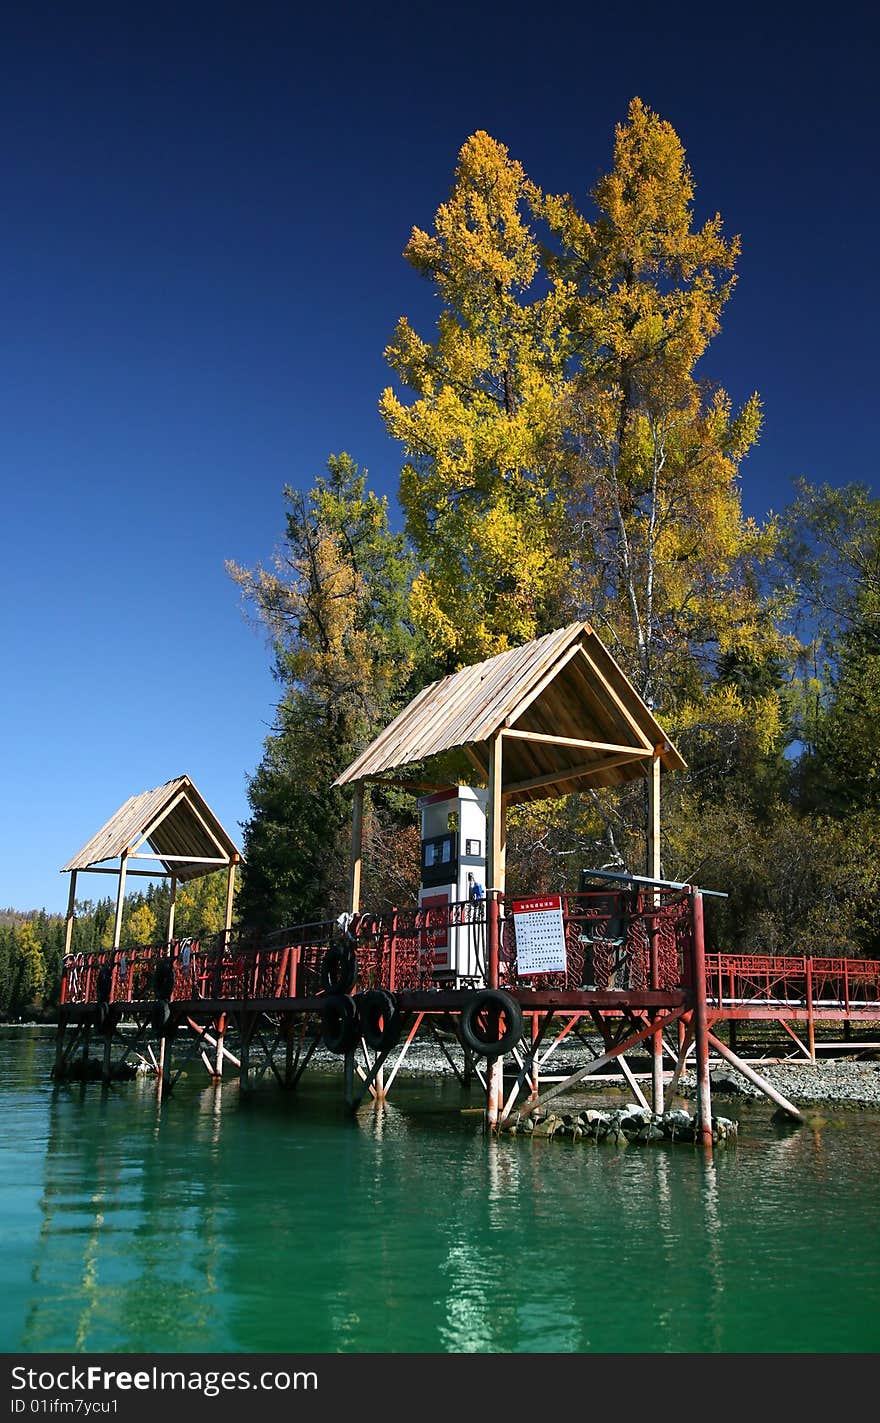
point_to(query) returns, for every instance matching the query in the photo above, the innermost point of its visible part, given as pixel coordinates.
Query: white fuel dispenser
(453, 864)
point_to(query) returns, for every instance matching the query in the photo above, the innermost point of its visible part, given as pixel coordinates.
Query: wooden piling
(219, 1055)
(654, 873)
(701, 1025)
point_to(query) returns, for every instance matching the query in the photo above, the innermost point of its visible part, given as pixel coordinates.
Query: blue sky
(203, 213)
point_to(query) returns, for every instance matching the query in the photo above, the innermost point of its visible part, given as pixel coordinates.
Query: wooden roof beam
(573, 773)
(476, 762)
(179, 859)
(105, 870)
(610, 746)
(157, 820)
(612, 696)
(191, 805)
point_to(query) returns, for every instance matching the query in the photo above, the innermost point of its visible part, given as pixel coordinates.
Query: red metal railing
(736, 979)
(608, 945)
(608, 937)
(282, 965)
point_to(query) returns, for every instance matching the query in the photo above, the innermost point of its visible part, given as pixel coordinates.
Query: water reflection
(275, 1222)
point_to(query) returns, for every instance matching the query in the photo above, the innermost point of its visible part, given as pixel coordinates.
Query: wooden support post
(495, 1093)
(653, 870)
(811, 1026)
(535, 1076)
(230, 896)
(356, 862)
(751, 1076)
(71, 913)
(169, 933)
(495, 1068)
(653, 865)
(160, 1067)
(245, 1026)
(288, 1053)
(497, 836)
(701, 1026)
(685, 1038)
(120, 896)
(218, 1059)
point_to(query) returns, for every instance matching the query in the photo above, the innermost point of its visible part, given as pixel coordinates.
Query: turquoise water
(274, 1223)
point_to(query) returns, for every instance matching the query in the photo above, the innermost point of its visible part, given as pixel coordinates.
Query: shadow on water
(274, 1222)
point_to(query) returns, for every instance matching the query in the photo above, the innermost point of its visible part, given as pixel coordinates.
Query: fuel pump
(454, 872)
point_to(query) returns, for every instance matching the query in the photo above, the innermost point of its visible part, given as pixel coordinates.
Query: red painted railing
(608, 935)
(734, 979)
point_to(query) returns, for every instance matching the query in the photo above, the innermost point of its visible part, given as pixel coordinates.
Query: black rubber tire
(380, 1018)
(338, 970)
(163, 979)
(340, 1026)
(104, 983)
(481, 1013)
(160, 1017)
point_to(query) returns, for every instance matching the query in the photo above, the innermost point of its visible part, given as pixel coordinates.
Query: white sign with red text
(540, 935)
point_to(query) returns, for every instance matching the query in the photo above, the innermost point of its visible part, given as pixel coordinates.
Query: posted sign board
(540, 935)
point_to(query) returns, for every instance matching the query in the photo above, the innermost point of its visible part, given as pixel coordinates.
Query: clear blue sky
(203, 210)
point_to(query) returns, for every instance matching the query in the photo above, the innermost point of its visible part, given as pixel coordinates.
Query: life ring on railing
(338, 969)
(340, 1028)
(163, 978)
(491, 1022)
(381, 1020)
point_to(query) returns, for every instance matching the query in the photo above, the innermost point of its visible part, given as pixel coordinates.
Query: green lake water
(273, 1223)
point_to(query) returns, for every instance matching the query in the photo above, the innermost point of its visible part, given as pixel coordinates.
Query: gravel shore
(853, 1083)
(845, 1081)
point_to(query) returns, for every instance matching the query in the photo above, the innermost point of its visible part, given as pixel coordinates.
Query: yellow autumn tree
(31, 977)
(662, 558)
(481, 435)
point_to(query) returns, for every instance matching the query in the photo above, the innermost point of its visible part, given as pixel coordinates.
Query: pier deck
(367, 990)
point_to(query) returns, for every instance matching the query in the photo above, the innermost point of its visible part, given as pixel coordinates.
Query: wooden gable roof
(569, 717)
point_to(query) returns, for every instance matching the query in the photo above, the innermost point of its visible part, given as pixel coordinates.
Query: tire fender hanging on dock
(163, 979)
(340, 1024)
(338, 969)
(381, 1020)
(160, 1017)
(491, 1022)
